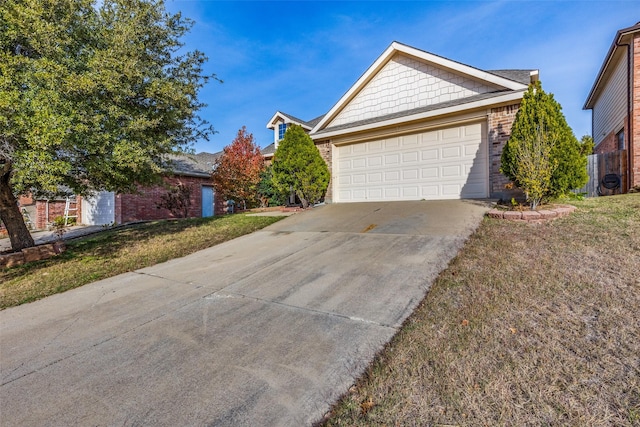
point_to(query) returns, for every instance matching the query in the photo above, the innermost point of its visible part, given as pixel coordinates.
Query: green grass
(119, 251)
(531, 324)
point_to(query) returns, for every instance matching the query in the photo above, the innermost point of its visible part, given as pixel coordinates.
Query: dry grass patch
(119, 251)
(532, 324)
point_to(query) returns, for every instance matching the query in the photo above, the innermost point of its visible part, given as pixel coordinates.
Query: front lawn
(532, 324)
(119, 251)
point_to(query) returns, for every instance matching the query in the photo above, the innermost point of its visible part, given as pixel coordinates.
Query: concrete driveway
(268, 329)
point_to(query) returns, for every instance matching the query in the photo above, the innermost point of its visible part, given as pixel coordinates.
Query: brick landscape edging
(35, 253)
(532, 216)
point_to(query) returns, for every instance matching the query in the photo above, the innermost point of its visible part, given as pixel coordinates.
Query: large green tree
(540, 123)
(297, 164)
(93, 96)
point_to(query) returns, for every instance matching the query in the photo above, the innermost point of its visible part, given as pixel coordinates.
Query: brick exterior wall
(632, 133)
(634, 146)
(499, 127)
(25, 200)
(143, 206)
(325, 151)
(608, 144)
(55, 209)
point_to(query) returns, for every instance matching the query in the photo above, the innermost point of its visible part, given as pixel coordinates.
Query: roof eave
(286, 119)
(590, 102)
(513, 96)
(396, 47)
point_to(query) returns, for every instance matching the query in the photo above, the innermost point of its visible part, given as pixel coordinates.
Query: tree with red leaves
(237, 171)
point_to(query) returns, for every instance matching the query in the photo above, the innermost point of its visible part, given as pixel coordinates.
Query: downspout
(629, 112)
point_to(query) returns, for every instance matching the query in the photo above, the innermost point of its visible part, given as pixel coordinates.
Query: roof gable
(609, 64)
(406, 79)
(288, 119)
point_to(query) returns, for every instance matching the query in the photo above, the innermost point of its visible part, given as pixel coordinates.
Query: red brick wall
(25, 200)
(634, 146)
(55, 208)
(500, 122)
(608, 144)
(143, 206)
(325, 152)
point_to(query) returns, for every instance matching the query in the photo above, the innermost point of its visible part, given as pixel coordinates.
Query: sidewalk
(46, 236)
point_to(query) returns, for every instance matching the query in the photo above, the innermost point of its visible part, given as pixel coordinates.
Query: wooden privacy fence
(605, 171)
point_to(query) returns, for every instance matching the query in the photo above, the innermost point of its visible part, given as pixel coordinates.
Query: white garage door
(99, 209)
(450, 163)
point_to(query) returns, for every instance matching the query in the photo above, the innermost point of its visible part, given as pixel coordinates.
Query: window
(620, 139)
(282, 128)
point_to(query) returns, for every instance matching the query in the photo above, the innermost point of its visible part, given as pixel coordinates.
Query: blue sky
(300, 57)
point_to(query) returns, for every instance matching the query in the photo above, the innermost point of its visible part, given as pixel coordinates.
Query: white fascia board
(272, 121)
(396, 47)
(285, 119)
(604, 70)
(426, 115)
(374, 68)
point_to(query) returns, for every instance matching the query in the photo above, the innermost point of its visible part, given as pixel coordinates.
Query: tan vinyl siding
(610, 108)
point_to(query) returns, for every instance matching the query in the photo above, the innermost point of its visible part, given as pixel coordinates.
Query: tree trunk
(12, 217)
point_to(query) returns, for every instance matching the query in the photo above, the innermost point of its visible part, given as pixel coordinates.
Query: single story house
(417, 126)
(614, 101)
(107, 207)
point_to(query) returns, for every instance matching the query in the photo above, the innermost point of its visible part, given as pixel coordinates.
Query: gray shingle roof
(424, 109)
(269, 149)
(200, 164)
(520, 76)
(293, 118)
(311, 123)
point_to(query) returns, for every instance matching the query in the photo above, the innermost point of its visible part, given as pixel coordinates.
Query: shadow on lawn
(110, 242)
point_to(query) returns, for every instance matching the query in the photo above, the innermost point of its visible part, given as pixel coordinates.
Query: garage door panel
(392, 159)
(430, 154)
(374, 161)
(374, 177)
(409, 174)
(451, 152)
(429, 191)
(392, 193)
(360, 163)
(375, 194)
(375, 146)
(429, 173)
(410, 192)
(473, 130)
(392, 176)
(344, 179)
(451, 190)
(448, 163)
(451, 171)
(359, 179)
(359, 149)
(470, 150)
(344, 164)
(410, 157)
(410, 140)
(453, 133)
(391, 143)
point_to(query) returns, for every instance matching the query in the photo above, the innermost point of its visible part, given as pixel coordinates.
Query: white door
(449, 163)
(99, 209)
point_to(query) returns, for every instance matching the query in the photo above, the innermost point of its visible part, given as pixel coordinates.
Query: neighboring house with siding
(417, 126)
(107, 207)
(614, 101)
